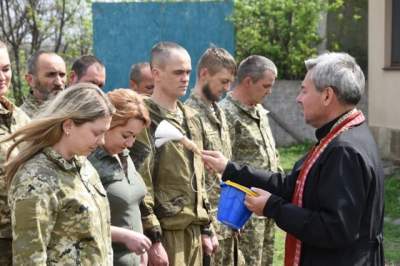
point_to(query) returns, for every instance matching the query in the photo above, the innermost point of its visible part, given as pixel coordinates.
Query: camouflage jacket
(251, 135)
(11, 118)
(215, 137)
(59, 212)
(30, 106)
(173, 175)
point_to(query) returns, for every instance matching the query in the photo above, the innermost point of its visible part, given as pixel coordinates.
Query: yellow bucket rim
(242, 188)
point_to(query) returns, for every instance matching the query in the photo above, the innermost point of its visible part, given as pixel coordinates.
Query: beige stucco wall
(383, 85)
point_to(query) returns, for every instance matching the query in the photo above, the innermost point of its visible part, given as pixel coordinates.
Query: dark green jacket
(173, 175)
(125, 190)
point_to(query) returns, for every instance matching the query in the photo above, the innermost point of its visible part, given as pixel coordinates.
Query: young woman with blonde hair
(125, 187)
(59, 209)
(11, 118)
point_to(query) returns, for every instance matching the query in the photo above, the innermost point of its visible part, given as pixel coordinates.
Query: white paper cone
(160, 142)
(167, 131)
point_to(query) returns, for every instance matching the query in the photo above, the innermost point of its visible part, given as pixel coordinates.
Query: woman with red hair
(125, 187)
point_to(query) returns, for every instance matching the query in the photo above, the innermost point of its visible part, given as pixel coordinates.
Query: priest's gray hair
(340, 72)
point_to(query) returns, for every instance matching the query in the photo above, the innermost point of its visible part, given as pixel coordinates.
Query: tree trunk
(61, 28)
(17, 84)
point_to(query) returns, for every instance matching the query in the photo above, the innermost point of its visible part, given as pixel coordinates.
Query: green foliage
(79, 36)
(348, 30)
(62, 26)
(285, 31)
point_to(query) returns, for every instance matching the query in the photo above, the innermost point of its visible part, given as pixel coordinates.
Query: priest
(331, 204)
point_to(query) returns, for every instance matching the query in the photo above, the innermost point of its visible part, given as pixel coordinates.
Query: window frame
(392, 63)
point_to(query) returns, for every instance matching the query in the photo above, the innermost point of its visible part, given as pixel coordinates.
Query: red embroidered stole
(292, 244)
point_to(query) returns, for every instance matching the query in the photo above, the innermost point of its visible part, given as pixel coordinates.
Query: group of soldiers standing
(84, 183)
(179, 210)
(237, 126)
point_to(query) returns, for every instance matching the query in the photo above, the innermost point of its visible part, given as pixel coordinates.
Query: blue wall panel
(125, 32)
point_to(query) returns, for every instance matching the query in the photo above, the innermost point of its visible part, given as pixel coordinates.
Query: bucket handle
(242, 188)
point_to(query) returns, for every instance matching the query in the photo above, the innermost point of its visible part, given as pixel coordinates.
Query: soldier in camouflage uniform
(216, 70)
(60, 205)
(46, 77)
(59, 208)
(254, 145)
(11, 118)
(175, 210)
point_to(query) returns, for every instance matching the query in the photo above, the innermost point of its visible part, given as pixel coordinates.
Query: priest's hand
(257, 203)
(214, 161)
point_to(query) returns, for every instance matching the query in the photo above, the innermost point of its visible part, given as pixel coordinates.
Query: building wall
(124, 33)
(384, 85)
(286, 117)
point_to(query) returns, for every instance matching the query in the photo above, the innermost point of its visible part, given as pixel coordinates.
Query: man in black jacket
(331, 204)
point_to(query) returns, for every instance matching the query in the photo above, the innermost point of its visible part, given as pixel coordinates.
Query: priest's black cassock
(341, 220)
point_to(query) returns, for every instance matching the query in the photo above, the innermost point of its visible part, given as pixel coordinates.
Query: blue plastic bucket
(231, 208)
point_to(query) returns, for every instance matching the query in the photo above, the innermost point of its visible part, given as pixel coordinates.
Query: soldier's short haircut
(215, 59)
(162, 51)
(81, 65)
(33, 61)
(339, 71)
(254, 67)
(136, 71)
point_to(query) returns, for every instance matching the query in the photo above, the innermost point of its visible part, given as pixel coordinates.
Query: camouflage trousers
(5, 252)
(257, 242)
(228, 253)
(183, 246)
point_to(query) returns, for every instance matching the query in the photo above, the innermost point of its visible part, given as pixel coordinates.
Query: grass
(290, 155)
(391, 230)
(279, 249)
